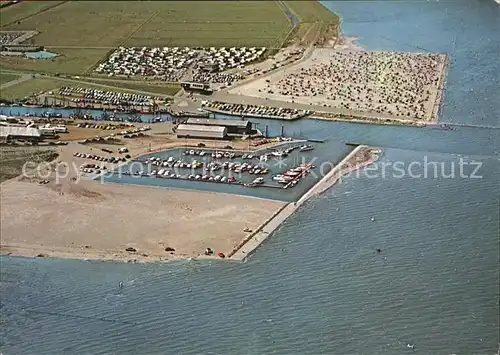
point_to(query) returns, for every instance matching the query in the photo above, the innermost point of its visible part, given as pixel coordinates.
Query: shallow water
(317, 285)
(40, 55)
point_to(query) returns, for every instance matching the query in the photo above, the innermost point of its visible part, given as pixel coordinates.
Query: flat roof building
(17, 132)
(200, 131)
(232, 126)
(201, 87)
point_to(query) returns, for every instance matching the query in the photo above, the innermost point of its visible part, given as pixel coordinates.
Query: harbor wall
(332, 176)
(252, 115)
(254, 240)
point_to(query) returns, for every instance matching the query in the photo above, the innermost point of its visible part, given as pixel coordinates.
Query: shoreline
(253, 90)
(248, 246)
(87, 245)
(371, 120)
(151, 220)
(438, 101)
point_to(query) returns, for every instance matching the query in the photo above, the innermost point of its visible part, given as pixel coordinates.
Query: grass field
(24, 9)
(159, 88)
(12, 159)
(70, 61)
(312, 11)
(84, 32)
(156, 23)
(5, 78)
(317, 23)
(38, 85)
(28, 88)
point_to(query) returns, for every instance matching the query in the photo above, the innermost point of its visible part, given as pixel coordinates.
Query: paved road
(21, 79)
(110, 87)
(26, 77)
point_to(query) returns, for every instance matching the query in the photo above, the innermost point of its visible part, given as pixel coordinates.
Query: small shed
(199, 131)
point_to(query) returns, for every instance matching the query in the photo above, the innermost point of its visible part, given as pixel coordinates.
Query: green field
(317, 23)
(12, 159)
(70, 61)
(37, 86)
(158, 88)
(5, 78)
(312, 11)
(84, 32)
(156, 23)
(18, 12)
(28, 88)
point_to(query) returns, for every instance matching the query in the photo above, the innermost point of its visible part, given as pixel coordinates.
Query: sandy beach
(99, 221)
(395, 84)
(75, 217)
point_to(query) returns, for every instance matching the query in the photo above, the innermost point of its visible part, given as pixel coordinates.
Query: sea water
(318, 285)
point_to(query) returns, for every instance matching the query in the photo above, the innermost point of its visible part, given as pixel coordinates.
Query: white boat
(306, 147)
(258, 180)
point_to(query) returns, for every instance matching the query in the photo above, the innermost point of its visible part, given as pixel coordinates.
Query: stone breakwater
(361, 156)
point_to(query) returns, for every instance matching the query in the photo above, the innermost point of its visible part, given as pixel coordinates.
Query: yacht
(258, 181)
(306, 148)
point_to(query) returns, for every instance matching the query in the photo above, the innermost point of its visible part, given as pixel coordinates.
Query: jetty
(256, 115)
(254, 240)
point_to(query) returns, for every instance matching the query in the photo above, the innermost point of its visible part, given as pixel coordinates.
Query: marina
(375, 265)
(230, 167)
(254, 111)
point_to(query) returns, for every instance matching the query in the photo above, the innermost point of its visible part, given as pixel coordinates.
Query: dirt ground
(74, 217)
(99, 221)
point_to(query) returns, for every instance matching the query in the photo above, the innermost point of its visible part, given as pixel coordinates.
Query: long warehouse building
(18, 132)
(199, 131)
(233, 126)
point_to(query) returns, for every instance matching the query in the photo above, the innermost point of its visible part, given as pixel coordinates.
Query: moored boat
(306, 148)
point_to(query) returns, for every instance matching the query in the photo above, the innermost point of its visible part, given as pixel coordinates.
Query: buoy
(372, 219)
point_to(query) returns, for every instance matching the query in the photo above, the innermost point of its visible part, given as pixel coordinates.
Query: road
(22, 78)
(26, 77)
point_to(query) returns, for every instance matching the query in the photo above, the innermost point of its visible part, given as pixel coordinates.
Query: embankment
(350, 163)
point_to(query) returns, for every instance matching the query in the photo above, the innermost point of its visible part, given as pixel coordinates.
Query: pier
(253, 115)
(184, 178)
(254, 240)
